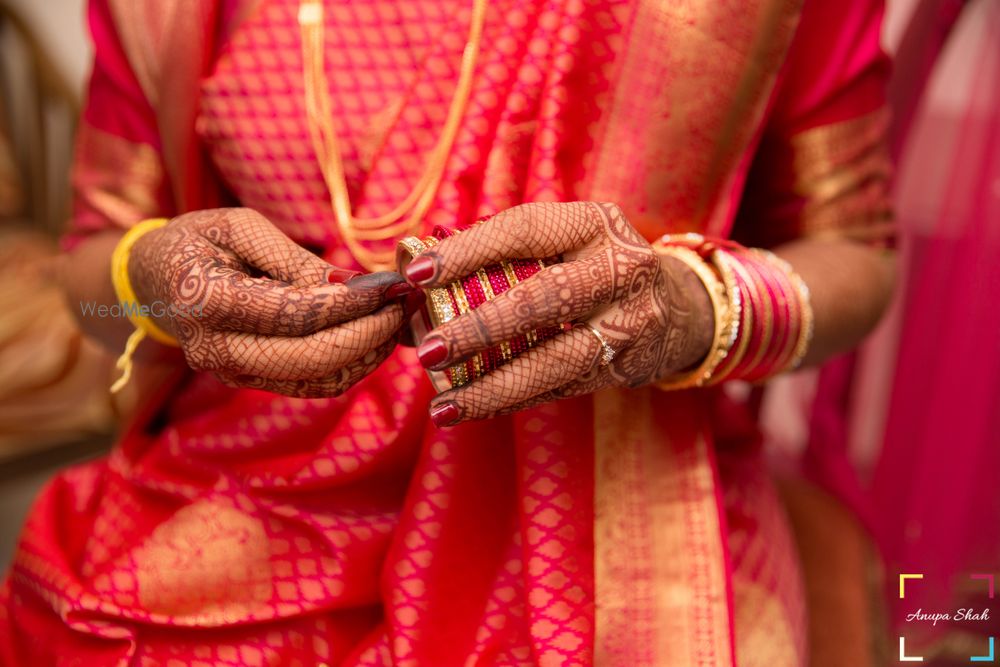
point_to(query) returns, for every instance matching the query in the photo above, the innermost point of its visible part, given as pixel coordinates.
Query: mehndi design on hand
(610, 277)
(257, 310)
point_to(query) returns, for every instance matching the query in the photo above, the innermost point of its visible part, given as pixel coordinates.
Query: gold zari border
(660, 562)
(116, 179)
(842, 170)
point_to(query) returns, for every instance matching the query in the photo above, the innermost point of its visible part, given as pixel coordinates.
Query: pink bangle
(782, 322)
(774, 325)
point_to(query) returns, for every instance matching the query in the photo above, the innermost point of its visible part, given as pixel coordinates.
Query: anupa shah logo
(965, 614)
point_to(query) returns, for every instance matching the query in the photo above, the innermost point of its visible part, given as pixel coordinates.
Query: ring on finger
(607, 352)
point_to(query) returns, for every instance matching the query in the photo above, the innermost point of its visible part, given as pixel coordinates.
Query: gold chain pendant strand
(405, 218)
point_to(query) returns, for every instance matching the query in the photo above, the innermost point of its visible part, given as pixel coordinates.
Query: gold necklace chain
(404, 218)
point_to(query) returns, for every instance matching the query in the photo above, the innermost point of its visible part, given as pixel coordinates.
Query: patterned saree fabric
(239, 527)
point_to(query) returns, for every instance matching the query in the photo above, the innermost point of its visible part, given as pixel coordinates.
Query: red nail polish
(445, 414)
(341, 275)
(432, 352)
(398, 290)
(420, 270)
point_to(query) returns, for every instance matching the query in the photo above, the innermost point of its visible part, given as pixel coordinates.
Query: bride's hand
(256, 309)
(652, 311)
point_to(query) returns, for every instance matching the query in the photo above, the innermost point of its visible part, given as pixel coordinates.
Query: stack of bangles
(462, 296)
(763, 316)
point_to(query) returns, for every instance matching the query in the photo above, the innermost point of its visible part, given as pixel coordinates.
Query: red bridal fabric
(635, 527)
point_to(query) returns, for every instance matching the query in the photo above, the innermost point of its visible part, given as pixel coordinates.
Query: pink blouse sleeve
(822, 168)
(118, 173)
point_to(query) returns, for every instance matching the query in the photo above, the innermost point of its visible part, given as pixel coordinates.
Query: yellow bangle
(726, 304)
(144, 326)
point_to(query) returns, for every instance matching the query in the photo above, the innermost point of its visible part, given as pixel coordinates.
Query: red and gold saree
(627, 528)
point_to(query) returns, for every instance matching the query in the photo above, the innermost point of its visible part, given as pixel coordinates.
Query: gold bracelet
(808, 322)
(745, 322)
(144, 326)
(726, 304)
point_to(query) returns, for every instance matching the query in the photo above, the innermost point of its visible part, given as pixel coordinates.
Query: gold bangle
(745, 321)
(808, 322)
(724, 295)
(144, 326)
(460, 371)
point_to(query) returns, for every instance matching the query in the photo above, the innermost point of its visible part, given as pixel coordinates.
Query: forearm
(684, 285)
(850, 287)
(86, 280)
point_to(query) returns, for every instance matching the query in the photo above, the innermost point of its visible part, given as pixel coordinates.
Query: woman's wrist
(762, 313)
(697, 323)
(143, 255)
(86, 282)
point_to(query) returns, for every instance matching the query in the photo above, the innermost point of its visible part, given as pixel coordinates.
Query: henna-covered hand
(251, 306)
(651, 310)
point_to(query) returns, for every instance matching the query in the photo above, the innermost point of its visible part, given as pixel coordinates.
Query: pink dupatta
(935, 485)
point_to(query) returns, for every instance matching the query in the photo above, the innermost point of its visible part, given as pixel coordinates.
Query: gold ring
(607, 352)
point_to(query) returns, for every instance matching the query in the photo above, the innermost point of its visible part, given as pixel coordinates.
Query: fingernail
(444, 414)
(420, 270)
(380, 280)
(399, 290)
(432, 352)
(341, 275)
(414, 302)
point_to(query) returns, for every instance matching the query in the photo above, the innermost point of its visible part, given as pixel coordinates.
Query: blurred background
(54, 408)
(897, 414)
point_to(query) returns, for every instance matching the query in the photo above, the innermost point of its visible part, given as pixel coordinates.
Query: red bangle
(775, 321)
(465, 295)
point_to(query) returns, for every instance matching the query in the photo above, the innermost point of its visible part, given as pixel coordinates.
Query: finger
(595, 380)
(314, 356)
(537, 230)
(258, 242)
(552, 364)
(557, 294)
(334, 385)
(225, 298)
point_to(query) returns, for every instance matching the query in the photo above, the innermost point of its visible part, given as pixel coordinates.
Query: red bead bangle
(465, 295)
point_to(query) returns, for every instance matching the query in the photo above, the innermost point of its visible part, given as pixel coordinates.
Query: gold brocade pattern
(161, 32)
(384, 131)
(720, 74)
(209, 563)
(122, 181)
(659, 557)
(650, 104)
(842, 170)
(764, 637)
(830, 181)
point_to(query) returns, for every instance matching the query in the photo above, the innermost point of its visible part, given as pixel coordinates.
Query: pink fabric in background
(935, 488)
